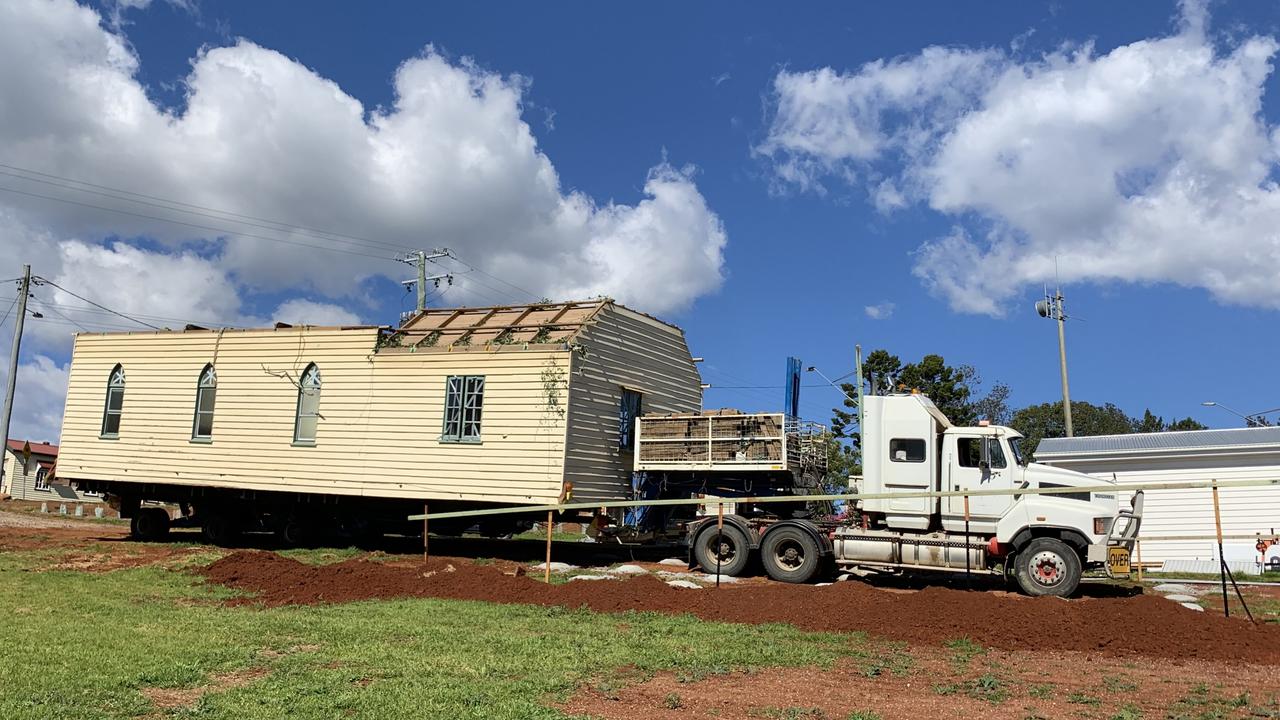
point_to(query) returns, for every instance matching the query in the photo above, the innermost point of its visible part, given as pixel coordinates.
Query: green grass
(1266, 577)
(78, 645)
(964, 650)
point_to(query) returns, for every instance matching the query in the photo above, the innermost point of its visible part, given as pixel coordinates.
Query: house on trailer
(29, 474)
(470, 405)
(1248, 513)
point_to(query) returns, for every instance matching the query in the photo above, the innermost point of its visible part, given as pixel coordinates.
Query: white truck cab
(1045, 540)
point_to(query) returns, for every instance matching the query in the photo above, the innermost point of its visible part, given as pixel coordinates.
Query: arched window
(206, 393)
(115, 403)
(304, 422)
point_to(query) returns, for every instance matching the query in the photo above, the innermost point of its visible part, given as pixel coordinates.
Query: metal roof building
(1230, 454)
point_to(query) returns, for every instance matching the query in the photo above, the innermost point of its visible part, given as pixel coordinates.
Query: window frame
(201, 386)
(463, 409)
(627, 422)
(924, 450)
(963, 456)
(309, 381)
(41, 479)
(113, 387)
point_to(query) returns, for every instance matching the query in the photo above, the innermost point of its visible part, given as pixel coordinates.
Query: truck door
(971, 468)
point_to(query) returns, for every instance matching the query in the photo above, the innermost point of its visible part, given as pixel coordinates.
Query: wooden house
(492, 404)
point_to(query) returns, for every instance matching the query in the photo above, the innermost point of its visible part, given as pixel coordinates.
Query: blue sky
(730, 100)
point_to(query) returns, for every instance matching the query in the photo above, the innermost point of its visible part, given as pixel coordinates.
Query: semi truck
(1045, 541)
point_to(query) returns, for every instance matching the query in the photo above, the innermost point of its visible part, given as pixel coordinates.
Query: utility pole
(1051, 307)
(24, 287)
(419, 260)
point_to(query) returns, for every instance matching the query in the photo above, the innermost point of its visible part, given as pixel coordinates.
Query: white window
(206, 393)
(115, 403)
(308, 412)
(42, 479)
(463, 406)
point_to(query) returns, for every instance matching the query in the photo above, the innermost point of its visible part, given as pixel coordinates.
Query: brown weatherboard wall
(381, 416)
(623, 348)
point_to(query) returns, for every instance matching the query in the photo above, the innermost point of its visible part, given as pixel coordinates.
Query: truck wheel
(1048, 567)
(293, 533)
(729, 544)
(219, 529)
(150, 525)
(789, 554)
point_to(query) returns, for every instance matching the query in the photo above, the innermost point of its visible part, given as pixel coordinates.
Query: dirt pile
(1141, 625)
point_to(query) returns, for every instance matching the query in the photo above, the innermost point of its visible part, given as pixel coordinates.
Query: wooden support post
(1222, 560)
(968, 578)
(719, 541)
(426, 554)
(550, 514)
(1137, 548)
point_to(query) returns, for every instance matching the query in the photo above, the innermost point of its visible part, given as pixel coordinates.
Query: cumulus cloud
(882, 311)
(37, 409)
(1149, 163)
(260, 138)
(309, 312)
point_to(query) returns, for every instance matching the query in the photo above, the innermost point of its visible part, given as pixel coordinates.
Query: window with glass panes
(308, 413)
(114, 405)
(206, 392)
(463, 406)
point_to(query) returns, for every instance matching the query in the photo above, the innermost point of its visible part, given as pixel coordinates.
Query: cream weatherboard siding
(622, 349)
(20, 482)
(381, 416)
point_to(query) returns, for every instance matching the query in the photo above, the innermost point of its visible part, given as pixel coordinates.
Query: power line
(222, 231)
(167, 204)
(46, 281)
(57, 312)
(7, 312)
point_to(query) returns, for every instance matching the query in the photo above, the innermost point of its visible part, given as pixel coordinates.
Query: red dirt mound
(1140, 625)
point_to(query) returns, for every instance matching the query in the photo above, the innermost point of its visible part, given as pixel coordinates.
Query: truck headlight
(1102, 525)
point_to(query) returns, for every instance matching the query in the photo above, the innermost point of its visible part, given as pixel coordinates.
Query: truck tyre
(730, 544)
(1047, 566)
(293, 533)
(150, 525)
(220, 529)
(789, 554)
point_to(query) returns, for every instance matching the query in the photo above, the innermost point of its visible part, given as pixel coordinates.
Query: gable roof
(1231, 438)
(37, 448)
(538, 323)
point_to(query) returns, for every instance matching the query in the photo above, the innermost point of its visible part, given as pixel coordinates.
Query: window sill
(444, 441)
(303, 443)
(109, 436)
(202, 441)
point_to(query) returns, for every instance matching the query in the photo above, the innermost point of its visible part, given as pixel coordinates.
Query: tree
(1042, 421)
(1185, 424)
(1151, 422)
(994, 406)
(950, 388)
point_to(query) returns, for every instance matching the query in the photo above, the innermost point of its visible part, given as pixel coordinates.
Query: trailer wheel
(219, 528)
(292, 533)
(729, 545)
(1047, 566)
(150, 524)
(789, 554)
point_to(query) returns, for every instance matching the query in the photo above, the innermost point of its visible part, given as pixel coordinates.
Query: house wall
(1245, 511)
(20, 482)
(623, 348)
(381, 416)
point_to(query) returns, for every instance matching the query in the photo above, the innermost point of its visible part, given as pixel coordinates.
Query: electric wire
(168, 204)
(103, 307)
(8, 312)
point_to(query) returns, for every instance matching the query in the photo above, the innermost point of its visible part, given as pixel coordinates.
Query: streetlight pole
(1251, 420)
(1051, 307)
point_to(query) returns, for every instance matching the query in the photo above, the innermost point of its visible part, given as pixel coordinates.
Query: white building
(1234, 454)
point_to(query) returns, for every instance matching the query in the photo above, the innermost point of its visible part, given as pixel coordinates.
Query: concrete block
(44, 507)
(1181, 598)
(590, 577)
(98, 512)
(684, 584)
(79, 511)
(674, 562)
(628, 570)
(729, 579)
(62, 509)
(1174, 588)
(555, 567)
(1192, 606)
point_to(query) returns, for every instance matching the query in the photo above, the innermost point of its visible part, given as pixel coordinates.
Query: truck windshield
(1015, 444)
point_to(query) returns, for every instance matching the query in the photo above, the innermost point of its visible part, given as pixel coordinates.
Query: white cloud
(308, 312)
(37, 407)
(450, 162)
(1149, 163)
(882, 311)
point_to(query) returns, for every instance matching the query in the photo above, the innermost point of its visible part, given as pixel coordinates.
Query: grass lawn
(80, 645)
